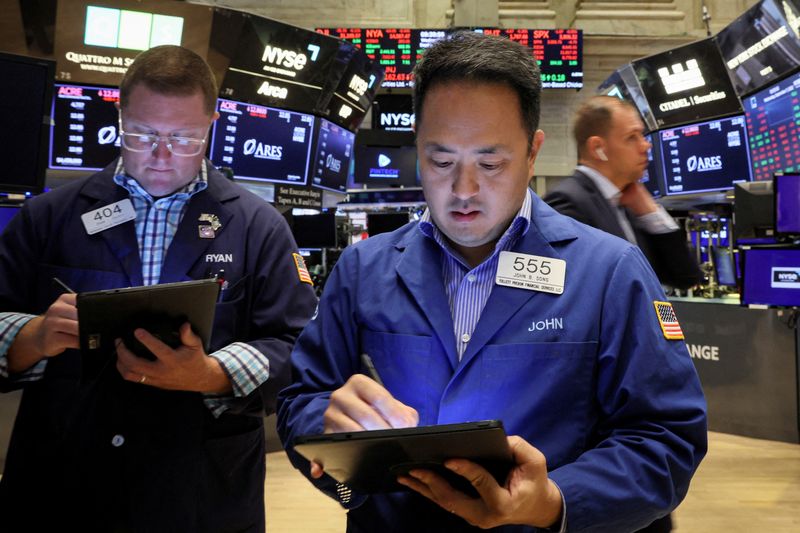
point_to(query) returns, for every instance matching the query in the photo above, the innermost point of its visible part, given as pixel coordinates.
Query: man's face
(474, 162)
(626, 147)
(159, 171)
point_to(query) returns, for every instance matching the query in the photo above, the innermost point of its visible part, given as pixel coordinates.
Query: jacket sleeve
(651, 433)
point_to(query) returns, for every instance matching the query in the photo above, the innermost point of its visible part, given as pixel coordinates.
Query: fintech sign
(708, 156)
(262, 143)
(83, 133)
(280, 65)
(762, 45)
(686, 84)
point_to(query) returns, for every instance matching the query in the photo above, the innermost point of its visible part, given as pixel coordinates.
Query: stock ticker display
(773, 120)
(396, 50)
(83, 134)
(262, 143)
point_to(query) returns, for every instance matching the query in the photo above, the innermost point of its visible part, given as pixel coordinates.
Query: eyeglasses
(147, 142)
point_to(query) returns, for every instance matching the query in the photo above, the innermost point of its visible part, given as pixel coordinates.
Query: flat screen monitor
(786, 188)
(393, 112)
(7, 212)
(355, 91)
(25, 100)
(771, 276)
(709, 156)
(687, 84)
(623, 84)
(773, 120)
(385, 222)
(334, 150)
(761, 45)
(386, 166)
(653, 175)
(753, 212)
(722, 259)
(314, 231)
(262, 143)
(83, 134)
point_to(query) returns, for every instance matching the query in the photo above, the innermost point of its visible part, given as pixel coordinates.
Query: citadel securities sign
(97, 44)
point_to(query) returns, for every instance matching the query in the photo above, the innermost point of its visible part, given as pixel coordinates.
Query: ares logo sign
(785, 277)
(262, 151)
(704, 164)
(333, 164)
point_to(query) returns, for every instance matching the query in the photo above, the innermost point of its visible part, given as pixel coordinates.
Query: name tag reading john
(108, 216)
(531, 272)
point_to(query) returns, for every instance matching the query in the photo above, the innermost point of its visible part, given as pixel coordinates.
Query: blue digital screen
(262, 143)
(787, 203)
(652, 177)
(332, 156)
(771, 276)
(709, 156)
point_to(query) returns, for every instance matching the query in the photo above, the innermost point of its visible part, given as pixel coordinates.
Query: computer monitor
(83, 134)
(314, 231)
(385, 222)
(386, 166)
(262, 143)
(7, 212)
(334, 150)
(722, 259)
(786, 188)
(708, 156)
(771, 276)
(753, 212)
(653, 175)
(25, 100)
(772, 120)
(393, 112)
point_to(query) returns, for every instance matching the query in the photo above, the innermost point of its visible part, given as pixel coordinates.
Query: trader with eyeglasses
(176, 443)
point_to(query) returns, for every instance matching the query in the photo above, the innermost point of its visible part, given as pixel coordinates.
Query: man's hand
(362, 404)
(186, 368)
(637, 199)
(46, 335)
(528, 497)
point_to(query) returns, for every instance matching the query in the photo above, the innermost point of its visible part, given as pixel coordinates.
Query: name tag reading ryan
(531, 272)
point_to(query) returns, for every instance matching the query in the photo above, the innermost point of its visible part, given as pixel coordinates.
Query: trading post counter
(747, 360)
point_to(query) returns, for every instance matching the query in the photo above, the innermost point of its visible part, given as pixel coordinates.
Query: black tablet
(370, 461)
(106, 315)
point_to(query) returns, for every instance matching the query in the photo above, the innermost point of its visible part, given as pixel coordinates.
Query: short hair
(475, 57)
(594, 116)
(173, 71)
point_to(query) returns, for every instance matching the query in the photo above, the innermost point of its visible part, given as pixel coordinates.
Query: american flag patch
(302, 271)
(668, 321)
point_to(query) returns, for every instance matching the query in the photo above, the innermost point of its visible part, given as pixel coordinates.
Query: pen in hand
(64, 286)
(366, 362)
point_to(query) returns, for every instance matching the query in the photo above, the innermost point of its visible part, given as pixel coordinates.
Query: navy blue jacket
(179, 468)
(587, 376)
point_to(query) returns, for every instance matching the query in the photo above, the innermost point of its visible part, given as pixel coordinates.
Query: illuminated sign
(132, 30)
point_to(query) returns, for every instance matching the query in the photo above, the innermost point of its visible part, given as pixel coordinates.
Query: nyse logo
(345, 111)
(262, 151)
(284, 58)
(681, 79)
(702, 351)
(273, 90)
(397, 119)
(785, 278)
(333, 164)
(704, 164)
(358, 85)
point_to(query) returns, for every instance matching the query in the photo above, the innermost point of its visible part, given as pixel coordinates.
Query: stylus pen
(366, 360)
(64, 286)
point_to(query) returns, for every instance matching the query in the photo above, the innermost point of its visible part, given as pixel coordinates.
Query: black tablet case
(370, 461)
(106, 315)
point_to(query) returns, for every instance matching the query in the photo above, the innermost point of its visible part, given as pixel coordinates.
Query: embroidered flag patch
(302, 271)
(668, 321)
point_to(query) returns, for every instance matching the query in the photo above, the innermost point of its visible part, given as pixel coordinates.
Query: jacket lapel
(420, 270)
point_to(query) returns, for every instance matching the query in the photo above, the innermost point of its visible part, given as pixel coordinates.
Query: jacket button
(117, 441)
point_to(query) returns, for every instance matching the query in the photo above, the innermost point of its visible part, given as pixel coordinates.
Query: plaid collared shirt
(468, 289)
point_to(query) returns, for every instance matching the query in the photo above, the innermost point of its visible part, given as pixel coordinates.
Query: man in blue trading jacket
(174, 444)
(607, 412)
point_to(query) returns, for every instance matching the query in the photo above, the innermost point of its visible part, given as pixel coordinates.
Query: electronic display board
(332, 156)
(97, 40)
(773, 120)
(687, 84)
(761, 45)
(786, 189)
(771, 276)
(386, 166)
(393, 112)
(559, 52)
(652, 177)
(284, 66)
(83, 132)
(262, 143)
(708, 156)
(623, 84)
(356, 89)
